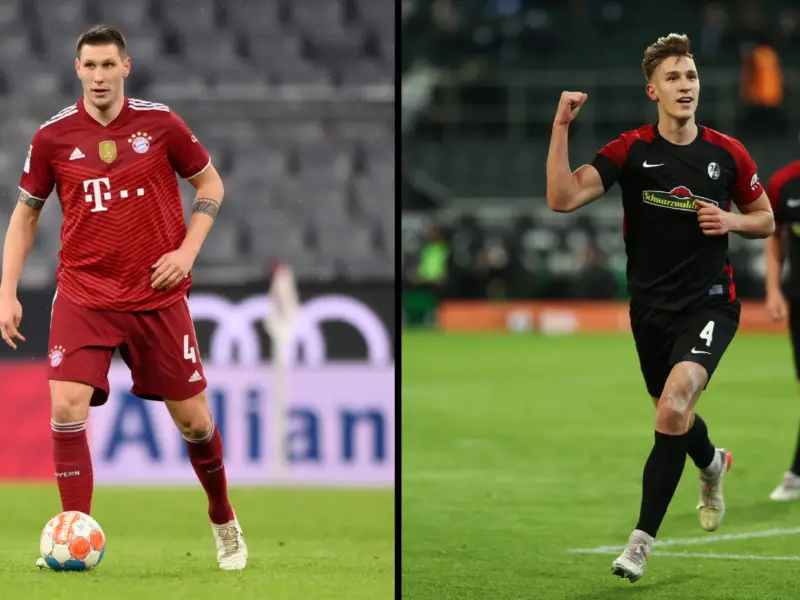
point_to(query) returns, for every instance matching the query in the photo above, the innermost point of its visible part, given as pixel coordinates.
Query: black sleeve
(609, 161)
(608, 169)
(779, 210)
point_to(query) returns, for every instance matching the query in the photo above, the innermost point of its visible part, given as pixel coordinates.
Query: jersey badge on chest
(140, 142)
(678, 198)
(108, 151)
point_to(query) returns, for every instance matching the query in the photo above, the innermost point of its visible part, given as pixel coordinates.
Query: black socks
(700, 448)
(662, 473)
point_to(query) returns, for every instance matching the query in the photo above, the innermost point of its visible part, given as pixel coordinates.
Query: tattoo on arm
(29, 201)
(206, 206)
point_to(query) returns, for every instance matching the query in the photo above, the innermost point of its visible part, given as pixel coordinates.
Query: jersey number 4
(708, 333)
(188, 350)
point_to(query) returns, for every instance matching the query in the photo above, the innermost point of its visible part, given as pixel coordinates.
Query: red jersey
(120, 199)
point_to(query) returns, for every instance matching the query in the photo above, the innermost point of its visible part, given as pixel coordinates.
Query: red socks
(73, 465)
(206, 458)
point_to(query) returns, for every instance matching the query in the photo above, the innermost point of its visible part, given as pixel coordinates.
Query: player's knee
(196, 430)
(195, 425)
(675, 408)
(70, 401)
(191, 416)
(671, 420)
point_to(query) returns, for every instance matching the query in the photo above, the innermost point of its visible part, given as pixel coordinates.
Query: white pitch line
(709, 539)
(697, 555)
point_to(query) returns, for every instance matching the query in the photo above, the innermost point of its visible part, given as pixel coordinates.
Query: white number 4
(188, 350)
(708, 333)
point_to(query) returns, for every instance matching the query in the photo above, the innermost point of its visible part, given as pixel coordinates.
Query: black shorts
(794, 332)
(665, 338)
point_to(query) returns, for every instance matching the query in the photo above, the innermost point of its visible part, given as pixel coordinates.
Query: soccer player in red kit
(124, 270)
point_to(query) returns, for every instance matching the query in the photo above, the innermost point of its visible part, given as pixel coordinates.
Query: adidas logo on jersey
(76, 154)
(195, 377)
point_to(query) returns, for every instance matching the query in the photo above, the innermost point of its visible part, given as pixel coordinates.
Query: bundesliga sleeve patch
(27, 166)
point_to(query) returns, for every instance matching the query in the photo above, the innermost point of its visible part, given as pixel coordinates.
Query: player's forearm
(18, 243)
(561, 187)
(773, 259)
(204, 210)
(758, 224)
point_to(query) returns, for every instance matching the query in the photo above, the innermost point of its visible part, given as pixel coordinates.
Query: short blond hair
(674, 44)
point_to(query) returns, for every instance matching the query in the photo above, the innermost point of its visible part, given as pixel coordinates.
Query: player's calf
(674, 416)
(701, 450)
(71, 457)
(664, 466)
(204, 445)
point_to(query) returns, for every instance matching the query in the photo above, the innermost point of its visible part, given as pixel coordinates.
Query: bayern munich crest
(140, 142)
(56, 356)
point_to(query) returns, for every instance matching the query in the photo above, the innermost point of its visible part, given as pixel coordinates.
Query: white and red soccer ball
(72, 541)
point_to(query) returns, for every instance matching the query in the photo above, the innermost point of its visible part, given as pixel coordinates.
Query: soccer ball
(72, 541)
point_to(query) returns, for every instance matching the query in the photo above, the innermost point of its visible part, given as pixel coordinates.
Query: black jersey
(672, 265)
(783, 190)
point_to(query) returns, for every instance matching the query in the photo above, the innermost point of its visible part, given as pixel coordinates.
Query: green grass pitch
(516, 449)
(302, 544)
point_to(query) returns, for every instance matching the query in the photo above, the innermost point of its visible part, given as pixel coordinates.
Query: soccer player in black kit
(678, 181)
(783, 190)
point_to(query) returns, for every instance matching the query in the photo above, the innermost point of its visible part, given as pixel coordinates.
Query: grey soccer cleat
(712, 502)
(231, 547)
(788, 490)
(631, 563)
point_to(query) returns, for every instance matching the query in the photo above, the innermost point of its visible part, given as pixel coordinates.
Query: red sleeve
(37, 172)
(187, 156)
(747, 188)
(616, 151)
(776, 183)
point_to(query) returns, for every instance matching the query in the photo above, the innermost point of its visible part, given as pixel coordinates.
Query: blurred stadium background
(294, 99)
(532, 444)
(481, 80)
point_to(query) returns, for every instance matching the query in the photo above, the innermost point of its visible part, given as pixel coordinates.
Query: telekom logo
(100, 191)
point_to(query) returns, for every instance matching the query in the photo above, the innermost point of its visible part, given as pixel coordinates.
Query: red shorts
(159, 347)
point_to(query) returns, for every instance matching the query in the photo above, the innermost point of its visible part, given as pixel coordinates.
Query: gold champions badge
(108, 151)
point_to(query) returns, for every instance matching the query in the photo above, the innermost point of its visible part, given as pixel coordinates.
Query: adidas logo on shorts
(195, 377)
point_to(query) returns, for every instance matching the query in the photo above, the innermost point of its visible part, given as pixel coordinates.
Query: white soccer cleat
(40, 564)
(231, 548)
(788, 490)
(712, 502)
(631, 563)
